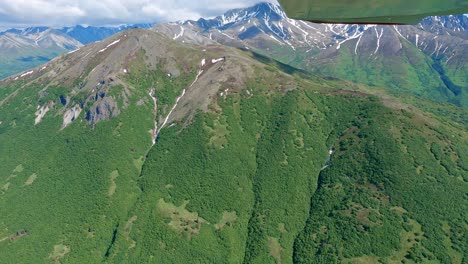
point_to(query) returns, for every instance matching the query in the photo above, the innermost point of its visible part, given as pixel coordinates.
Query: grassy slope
(239, 183)
(410, 72)
(268, 158)
(68, 202)
(390, 175)
(75, 201)
(11, 64)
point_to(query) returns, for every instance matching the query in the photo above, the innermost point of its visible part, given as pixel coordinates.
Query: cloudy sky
(21, 13)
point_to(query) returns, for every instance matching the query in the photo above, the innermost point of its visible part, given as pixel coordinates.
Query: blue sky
(22, 13)
(58, 13)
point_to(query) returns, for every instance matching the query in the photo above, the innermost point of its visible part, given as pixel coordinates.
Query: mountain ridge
(336, 50)
(21, 49)
(141, 148)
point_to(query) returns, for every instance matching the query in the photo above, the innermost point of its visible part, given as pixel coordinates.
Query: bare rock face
(70, 115)
(42, 111)
(102, 110)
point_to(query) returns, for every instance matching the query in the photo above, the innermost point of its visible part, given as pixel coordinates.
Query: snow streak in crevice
(200, 72)
(378, 39)
(357, 44)
(155, 110)
(182, 30)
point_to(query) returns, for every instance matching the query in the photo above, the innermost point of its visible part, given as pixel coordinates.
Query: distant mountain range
(21, 49)
(428, 59)
(87, 35)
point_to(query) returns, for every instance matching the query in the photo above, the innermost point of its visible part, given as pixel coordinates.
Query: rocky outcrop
(42, 111)
(102, 110)
(70, 115)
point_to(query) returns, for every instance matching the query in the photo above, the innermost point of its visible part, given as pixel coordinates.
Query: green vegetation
(410, 71)
(406, 72)
(397, 11)
(59, 183)
(25, 59)
(381, 170)
(244, 181)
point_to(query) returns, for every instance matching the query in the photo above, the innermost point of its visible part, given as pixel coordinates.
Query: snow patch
(396, 29)
(181, 33)
(331, 28)
(437, 49)
(196, 78)
(291, 45)
(113, 43)
(449, 58)
(378, 39)
(155, 109)
(356, 35)
(175, 105)
(445, 50)
(225, 93)
(305, 34)
(357, 44)
(216, 60)
(307, 25)
(271, 36)
(169, 115)
(226, 35)
(26, 73)
(73, 51)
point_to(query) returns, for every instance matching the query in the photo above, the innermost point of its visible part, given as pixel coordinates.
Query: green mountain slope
(239, 171)
(12, 64)
(406, 69)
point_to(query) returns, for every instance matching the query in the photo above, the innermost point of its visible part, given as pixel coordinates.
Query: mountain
(90, 34)
(140, 149)
(15, 41)
(446, 25)
(428, 59)
(21, 49)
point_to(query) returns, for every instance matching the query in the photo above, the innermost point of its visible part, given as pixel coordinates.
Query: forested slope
(143, 150)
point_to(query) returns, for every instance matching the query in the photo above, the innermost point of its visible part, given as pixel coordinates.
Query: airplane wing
(371, 11)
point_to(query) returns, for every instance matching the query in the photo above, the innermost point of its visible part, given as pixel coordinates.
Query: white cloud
(108, 12)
